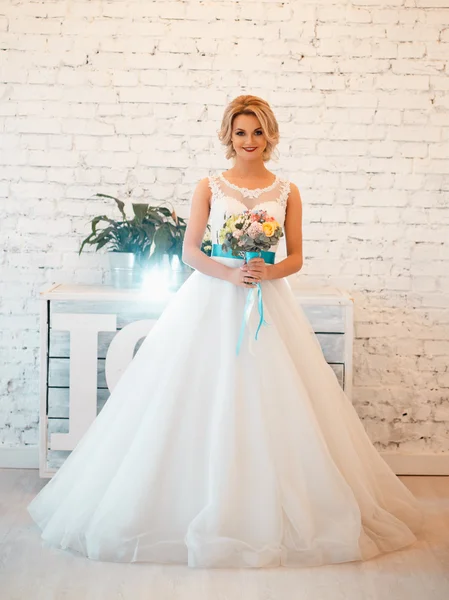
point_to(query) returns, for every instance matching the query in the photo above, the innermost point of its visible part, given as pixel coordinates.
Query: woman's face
(248, 137)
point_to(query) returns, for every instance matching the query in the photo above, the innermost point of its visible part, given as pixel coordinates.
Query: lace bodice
(228, 199)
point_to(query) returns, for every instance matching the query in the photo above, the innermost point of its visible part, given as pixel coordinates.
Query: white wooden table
(89, 335)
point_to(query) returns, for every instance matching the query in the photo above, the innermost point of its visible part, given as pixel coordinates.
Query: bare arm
(192, 254)
(293, 237)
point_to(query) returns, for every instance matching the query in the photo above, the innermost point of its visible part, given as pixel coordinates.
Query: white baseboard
(27, 457)
(417, 464)
(19, 457)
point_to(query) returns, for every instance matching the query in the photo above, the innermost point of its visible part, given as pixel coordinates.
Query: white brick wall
(126, 97)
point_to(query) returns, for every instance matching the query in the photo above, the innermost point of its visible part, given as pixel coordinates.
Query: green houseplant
(152, 237)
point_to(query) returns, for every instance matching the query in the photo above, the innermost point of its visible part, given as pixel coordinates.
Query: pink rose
(254, 229)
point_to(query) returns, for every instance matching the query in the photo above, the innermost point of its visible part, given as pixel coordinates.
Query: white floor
(29, 571)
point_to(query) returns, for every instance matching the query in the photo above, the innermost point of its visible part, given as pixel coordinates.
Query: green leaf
(165, 211)
(162, 243)
(102, 243)
(120, 204)
(86, 241)
(106, 234)
(97, 220)
(140, 211)
(153, 215)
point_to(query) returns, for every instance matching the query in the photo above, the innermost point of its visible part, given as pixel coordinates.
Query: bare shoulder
(202, 193)
(294, 190)
(202, 188)
(204, 183)
(294, 196)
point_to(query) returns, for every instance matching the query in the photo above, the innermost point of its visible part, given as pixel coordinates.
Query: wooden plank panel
(60, 343)
(56, 458)
(126, 312)
(339, 371)
(325, 318)
(333, 346)
(58, 372)
(58, 401)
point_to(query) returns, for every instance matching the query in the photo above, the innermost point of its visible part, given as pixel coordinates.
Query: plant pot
(123, 269)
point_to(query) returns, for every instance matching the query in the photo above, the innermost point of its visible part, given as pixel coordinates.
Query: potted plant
(152, 237)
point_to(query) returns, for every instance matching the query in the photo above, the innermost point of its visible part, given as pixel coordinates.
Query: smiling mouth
(250, 149)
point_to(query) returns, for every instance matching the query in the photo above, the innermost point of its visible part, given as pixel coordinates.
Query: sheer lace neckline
(246, 192)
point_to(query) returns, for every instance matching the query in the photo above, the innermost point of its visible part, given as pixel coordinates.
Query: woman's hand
(242, 277)
(256, 268)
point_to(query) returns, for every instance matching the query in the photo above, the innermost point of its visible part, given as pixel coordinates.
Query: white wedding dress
(213, 459)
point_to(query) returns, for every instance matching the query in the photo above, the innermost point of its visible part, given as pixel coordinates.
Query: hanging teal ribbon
(260, 307)
(247, 311)
(268, 257)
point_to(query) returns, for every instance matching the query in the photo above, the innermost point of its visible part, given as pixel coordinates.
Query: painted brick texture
(125, 97)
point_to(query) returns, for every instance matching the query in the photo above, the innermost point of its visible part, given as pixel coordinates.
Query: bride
(228, 441)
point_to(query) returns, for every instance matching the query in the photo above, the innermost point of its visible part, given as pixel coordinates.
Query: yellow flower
(230, 223)
(268, 229)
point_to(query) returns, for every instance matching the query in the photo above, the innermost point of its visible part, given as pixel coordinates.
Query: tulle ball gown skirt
(213, 459)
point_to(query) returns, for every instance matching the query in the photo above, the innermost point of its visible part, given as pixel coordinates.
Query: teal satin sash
(268, 257)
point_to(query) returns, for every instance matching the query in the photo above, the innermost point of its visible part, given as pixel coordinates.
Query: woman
(216, 449)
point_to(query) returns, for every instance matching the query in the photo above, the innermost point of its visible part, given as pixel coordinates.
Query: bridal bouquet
(250, 234)
(250, 231)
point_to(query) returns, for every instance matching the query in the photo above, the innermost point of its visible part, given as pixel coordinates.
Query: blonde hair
(249, 105)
